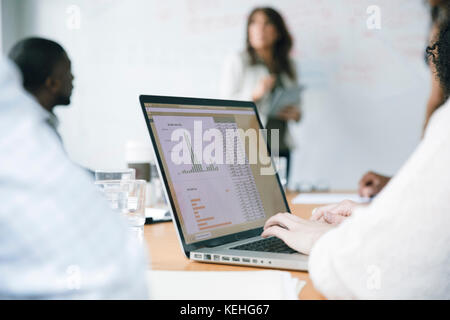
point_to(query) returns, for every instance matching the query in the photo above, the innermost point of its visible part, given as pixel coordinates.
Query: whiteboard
(365, 94)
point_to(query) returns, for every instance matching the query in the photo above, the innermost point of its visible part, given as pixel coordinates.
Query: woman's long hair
(282, 46)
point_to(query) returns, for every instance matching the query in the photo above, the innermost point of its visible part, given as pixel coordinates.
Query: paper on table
(327, 198)
(223, 285)
(157, 214)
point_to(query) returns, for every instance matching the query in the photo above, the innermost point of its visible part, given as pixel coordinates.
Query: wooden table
(166, 252)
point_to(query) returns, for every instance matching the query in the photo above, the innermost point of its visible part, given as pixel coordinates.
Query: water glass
(127, 197)
(120, 174)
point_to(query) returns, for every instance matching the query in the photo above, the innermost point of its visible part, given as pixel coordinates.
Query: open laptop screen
(220, 178)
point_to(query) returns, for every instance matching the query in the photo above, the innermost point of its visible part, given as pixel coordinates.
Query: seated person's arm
(371, 184)
(290, 113)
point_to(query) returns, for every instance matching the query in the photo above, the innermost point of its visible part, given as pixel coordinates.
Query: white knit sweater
(399, 246)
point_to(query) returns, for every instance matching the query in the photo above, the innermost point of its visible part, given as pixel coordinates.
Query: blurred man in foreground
(58, 237)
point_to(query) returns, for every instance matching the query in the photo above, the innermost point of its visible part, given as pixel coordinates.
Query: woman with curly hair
(372, 183)
(397, 247)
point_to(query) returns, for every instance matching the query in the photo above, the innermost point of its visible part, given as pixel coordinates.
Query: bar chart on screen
(204, 214)
(205, 222)
(197, 167)
(210, 195)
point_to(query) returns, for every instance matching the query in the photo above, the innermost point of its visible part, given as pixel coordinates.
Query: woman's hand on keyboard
(334, 213)
(299, 234)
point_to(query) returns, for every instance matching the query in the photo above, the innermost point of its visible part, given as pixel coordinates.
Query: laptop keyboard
(272, 244)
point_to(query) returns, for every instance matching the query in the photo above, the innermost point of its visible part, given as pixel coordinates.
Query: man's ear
(52, 85)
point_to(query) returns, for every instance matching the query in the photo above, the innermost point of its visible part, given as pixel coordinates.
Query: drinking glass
(120, 174)
(128, 198)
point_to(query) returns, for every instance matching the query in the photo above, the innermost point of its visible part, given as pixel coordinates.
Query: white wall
(366, 89)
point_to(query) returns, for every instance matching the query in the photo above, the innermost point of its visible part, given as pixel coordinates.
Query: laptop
(219, 180)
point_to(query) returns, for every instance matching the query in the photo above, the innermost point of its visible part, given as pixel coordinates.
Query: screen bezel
(210, 103)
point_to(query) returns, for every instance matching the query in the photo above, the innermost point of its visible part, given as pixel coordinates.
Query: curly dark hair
(439, 54)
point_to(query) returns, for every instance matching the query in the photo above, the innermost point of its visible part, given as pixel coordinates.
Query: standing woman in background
(265, 74)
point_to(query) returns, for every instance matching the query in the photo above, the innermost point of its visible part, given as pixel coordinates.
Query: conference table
(166, 252)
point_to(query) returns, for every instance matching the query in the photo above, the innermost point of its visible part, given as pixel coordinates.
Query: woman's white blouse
(240, 78)
(399, 246)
